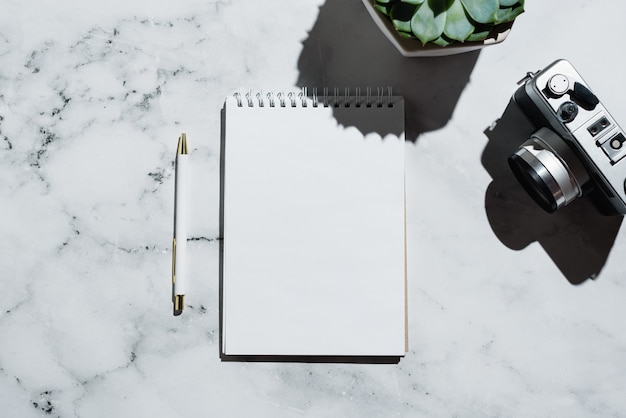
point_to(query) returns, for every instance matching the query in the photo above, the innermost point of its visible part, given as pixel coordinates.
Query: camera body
(578, 147)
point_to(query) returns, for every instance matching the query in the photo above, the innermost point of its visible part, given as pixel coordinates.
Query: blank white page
(313, 230)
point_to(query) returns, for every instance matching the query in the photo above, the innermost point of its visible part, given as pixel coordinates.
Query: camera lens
(548, 170)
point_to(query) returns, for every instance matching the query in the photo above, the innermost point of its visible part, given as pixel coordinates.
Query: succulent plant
(443, 22)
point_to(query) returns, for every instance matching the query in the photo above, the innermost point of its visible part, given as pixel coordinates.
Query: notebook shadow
(345, 49)
(314, 359)
(578, 238)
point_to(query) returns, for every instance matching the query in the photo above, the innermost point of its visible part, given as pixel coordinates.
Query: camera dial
(558, 85)
(549, 170)
(568, 111)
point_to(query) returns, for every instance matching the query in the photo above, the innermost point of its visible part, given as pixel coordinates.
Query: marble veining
(511, 312)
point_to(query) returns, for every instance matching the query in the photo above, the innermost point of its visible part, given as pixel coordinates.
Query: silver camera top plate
(592, 130)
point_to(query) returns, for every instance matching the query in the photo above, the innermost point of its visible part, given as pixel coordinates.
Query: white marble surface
(502, 318)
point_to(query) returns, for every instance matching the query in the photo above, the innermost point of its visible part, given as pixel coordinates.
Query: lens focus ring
(552, 173)
(549, 170)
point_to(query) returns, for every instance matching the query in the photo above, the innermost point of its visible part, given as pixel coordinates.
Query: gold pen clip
(177, 300)
(173, 263)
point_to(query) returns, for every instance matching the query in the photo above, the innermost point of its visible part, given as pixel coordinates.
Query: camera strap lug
(529, 76)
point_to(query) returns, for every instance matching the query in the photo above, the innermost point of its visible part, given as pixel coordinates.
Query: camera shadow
(578, 238)
(346, 49)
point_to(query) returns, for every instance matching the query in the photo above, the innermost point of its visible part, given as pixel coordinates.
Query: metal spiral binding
(292, 98)
(335, 97)
(301, 98)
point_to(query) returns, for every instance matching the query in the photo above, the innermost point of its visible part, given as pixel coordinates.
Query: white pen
(179, 244)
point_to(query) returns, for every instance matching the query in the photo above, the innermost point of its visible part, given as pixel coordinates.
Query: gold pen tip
(179, 303)
(182, 144)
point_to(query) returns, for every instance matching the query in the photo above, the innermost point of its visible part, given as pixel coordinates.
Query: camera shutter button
(558, 85)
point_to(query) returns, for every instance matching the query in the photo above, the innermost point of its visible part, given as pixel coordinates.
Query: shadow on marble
(578, 238)
(345, 48)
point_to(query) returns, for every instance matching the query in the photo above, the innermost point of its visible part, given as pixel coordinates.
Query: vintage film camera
(578, 148)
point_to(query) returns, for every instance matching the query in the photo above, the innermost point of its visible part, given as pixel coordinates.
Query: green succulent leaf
(442, 41)
(508, 3)
(458, 26)
(413, 1)
(425, 25)
(401, 14)
(482, 11)
(509, 14)
(408, 35)
(440, 6)
(383, 8)
(479, 35)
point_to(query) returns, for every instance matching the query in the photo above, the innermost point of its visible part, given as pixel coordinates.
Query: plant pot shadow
(346, 49)
(578, 238)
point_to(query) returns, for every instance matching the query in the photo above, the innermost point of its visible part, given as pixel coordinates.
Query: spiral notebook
(313, 223)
